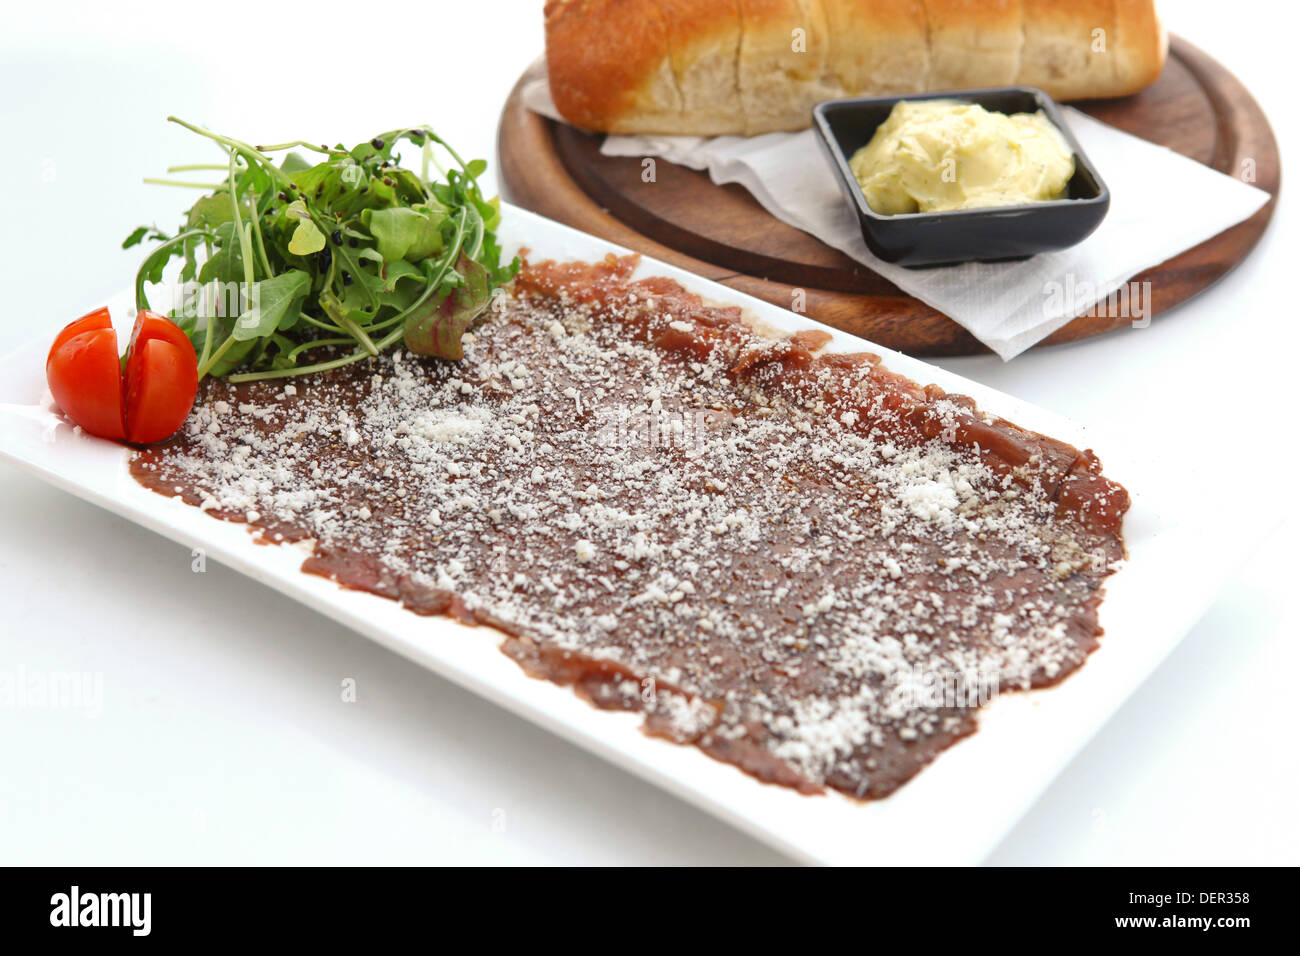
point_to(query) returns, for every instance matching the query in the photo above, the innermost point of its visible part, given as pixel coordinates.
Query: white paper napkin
(1161, 203)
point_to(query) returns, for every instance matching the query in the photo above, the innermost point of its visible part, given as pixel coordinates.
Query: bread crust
(783, 63)
(974, 43)
(713, 67)
(1067, 49)
(704, 44)
(877, 44)
(1141, 45)
(605, 59)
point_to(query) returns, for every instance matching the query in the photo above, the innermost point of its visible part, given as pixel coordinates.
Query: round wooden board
(1196, 107)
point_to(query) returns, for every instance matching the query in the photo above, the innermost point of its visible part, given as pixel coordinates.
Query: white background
(222, 737)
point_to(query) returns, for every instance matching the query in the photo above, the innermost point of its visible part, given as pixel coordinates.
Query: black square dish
(962, 235)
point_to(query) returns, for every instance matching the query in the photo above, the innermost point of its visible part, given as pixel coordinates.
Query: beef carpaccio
(799, 562)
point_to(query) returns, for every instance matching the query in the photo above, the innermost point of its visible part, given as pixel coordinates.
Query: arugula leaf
(306, 237)
(405, 232)
(210, 212)
(226, 264)
(273, 299)
(138, 235)
(294, 162)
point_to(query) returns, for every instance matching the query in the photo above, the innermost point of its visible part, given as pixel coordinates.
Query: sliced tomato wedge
(85, 376)
(162, 378)
(151, 325)
(90, 322)
(142, 400)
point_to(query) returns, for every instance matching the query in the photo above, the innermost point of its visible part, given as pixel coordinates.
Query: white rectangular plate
(955, 811)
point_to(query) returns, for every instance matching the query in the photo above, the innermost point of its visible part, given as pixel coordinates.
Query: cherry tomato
(162, 377)
(85, 376)
(142, 400)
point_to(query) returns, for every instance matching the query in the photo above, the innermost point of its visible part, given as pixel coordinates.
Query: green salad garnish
(335, 262)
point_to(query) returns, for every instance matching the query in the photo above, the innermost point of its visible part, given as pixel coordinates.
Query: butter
(936, 155)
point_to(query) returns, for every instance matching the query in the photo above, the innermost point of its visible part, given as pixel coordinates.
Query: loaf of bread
(711, 67)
